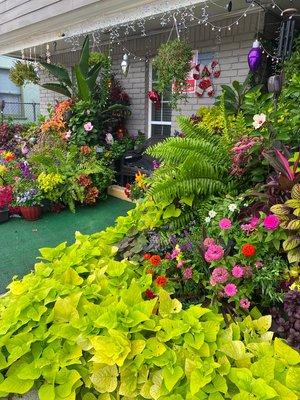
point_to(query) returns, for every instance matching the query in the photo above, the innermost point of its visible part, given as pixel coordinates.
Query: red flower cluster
(147, 256)
(149, 294)
(248, 250)
(91, 195)
(84, 180)
(161, 280)
(155, 260)
(5, 196)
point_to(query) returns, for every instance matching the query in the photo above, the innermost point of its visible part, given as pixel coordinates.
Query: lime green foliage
(79, 326)
(23, 72)
(172, 65)
(195, 164)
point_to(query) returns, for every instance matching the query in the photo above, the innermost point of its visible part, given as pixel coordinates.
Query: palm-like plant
(85, 76)
(196, 164)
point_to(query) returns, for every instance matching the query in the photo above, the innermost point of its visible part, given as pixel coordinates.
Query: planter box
(31, 213)
(4, 215)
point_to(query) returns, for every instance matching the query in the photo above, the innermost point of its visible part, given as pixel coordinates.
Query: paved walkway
(20, 240)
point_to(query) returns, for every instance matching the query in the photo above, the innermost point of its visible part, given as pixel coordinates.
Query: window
(160, 118)
(10, 93)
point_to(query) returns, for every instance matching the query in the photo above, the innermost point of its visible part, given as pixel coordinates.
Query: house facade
(226, 42)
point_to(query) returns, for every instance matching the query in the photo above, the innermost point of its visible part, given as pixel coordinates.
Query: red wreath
(204, 74)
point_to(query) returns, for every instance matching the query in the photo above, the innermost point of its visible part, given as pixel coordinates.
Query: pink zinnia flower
(237, 271)
(251, 225)
(175, 253)
(214, 253)
(225, 224)
(188, 273)
(271, 222)
(208, 242)
(219, 275)
(230, 289)
(245, 304)
(88, 126)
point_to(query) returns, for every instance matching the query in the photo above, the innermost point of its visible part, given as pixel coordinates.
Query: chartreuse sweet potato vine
(79, 327)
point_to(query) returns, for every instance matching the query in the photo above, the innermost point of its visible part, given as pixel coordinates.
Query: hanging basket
(31, 213)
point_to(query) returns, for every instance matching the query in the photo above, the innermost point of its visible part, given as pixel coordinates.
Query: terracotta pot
(4, 214)
(31, 213)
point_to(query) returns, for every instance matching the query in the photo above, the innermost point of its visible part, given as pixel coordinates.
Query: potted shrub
(28, 198)
(5, 200)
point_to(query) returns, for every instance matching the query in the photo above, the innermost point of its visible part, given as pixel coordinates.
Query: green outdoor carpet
(20, 240)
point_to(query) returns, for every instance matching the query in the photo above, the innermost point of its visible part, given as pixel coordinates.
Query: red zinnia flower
(149, 294)
(161, 280)
(155, 260)
(248, 250)
(147, 256)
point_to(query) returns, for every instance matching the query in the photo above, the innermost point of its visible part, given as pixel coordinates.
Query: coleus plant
(79, 326)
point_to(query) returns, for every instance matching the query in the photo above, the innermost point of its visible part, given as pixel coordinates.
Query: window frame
(150, 105)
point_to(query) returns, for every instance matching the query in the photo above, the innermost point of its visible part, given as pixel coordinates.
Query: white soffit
(38, 27)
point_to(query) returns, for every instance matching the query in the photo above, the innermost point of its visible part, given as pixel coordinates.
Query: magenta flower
(230, 289)
(271, 222)
(188, 273)
(219, 275)
(237, 271)
(214, 253)
(225, 224)
(208, 242)
(251, 226)
(245, 304)
(175, 253)
(88, 126)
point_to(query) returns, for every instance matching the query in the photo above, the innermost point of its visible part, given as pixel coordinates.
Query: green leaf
(84, 92)
(104, 378)
(171, 376)
(171, 211)
(84, 57)
(264, 368)
(285, 352)
(57, 88)
(59, 73)
(262, 390)
(242, 378)
(283, 391)
(292, 378)
(46, 392)
(93, 75)
(13, 384)
(198, 381)
(234, 349)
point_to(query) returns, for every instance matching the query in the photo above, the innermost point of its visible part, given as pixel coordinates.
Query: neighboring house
(53, 20)
(20, 103)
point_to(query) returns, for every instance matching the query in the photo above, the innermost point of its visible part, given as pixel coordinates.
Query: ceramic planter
(31, 213)
(4, 214)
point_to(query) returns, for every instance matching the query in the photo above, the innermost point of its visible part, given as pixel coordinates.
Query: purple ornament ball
(255, 56)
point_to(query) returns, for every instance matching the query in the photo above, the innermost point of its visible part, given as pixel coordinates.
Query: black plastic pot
(4, 215)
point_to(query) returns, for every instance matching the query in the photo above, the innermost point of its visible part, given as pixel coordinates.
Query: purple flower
(155, 164)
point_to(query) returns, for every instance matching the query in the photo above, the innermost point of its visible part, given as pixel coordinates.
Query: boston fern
(196, 164)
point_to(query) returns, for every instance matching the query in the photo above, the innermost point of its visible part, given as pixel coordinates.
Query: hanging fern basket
(23, 72)
(172, 65)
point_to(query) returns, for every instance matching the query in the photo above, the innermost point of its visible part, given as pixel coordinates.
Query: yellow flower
(3, 169)
(139, 178)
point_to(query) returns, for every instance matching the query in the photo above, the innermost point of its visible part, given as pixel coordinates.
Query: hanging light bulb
(125, 64)
(255, 56)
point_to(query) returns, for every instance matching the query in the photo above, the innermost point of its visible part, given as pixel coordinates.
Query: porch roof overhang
(40, 21)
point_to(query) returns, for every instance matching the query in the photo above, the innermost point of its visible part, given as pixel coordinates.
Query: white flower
(207, 220)
(109, 138)
(212, 213)
(259, 120)
(245, 204)
(232, 207)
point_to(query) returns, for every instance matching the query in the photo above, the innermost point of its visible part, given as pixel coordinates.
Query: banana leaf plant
(81, 82)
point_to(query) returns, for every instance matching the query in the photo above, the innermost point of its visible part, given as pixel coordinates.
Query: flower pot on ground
(31, 213)
(4, 215)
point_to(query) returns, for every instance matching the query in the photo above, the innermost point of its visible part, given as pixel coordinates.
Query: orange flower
(248, 250)
(56, 121)
(85, 150)
(155, 260)
(161, 280)
(9, 156)
(149, 271)
(147, 256)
